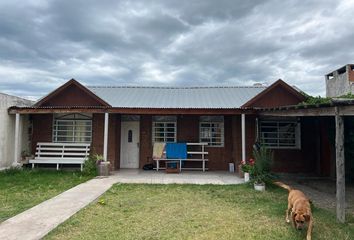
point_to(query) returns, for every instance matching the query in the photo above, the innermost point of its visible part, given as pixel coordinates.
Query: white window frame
(75, 120)
(213, 124)
(279, 145)
(165, 132)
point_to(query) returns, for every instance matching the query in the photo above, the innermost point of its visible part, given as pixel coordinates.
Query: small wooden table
(173, 170)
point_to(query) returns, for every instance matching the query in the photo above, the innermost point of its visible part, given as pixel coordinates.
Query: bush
(90, 165)
(262, 166)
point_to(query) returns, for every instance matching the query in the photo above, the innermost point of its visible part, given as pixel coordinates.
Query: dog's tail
(283, 185)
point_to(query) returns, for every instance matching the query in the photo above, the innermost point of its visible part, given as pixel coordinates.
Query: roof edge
(64, 86)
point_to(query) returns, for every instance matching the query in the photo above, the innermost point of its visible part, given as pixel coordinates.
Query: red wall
(42, 129)
(188, 131)
(72, 96)
(276, 97)
(305, 159)
(113, 153)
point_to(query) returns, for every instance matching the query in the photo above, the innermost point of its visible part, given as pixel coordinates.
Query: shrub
(262, 166)
(90, 165)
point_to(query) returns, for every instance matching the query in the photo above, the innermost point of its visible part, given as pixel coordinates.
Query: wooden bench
(198, 154)
(61, 153)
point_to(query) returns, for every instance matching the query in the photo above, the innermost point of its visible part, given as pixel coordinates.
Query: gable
(71, 93)
(276, 95)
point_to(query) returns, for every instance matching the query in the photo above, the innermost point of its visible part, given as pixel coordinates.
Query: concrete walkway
(36, 222)
(184, 177)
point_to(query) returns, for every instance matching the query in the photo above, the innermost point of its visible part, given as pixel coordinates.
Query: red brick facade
(286, 160)
(314, 149)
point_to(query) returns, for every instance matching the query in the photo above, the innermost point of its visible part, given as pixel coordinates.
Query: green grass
(23, 189)
(140, 211)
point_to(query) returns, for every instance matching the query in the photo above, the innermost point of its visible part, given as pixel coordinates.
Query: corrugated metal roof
(176, 97)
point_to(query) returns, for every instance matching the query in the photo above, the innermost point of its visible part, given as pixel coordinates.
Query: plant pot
(259, 187)
(247, 176)
(103, 168)
(231, 167)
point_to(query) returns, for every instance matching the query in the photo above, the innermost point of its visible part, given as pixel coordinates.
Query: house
(7, 129)
(340, 82)
(122, 123)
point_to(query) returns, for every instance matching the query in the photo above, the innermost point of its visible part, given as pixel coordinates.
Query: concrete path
(36, 222)
(185, 177)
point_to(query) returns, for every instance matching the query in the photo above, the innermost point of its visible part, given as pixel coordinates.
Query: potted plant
(246, 168)
(102, 165)
(96, 165)
(260, 173)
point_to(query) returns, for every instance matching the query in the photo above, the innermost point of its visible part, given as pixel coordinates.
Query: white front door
(129, 147)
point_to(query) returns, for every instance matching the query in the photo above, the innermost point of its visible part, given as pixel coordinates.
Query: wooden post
(340, 167)
(105, 137)
(243, 136)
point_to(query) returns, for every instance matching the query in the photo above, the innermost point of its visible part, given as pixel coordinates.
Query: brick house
(133, 118)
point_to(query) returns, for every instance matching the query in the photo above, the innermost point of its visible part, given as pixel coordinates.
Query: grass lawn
(23, 189)
(139, 211)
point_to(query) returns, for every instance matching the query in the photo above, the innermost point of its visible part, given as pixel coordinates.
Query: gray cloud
(165, 42)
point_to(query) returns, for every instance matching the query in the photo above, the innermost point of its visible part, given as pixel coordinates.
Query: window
(130, 136)
(280, 133)
(211, 130)
(72, 128)
(164, 129)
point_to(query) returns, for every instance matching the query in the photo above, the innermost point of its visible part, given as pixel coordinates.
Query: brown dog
(300, 208)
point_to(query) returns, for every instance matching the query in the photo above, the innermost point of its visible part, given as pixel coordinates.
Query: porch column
(105, 137)
(17, 136)
(243, 136)
(340, 167)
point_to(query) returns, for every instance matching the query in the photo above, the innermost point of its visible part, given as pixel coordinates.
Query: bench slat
(61, 149)
(62, 144)
(63, 161)
(197, 153)
(48, 157)
(61, 154)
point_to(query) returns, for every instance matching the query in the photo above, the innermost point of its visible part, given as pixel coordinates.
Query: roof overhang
(339, 106)
(155, 111)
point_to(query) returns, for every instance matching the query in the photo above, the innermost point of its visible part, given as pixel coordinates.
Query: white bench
(201, 154)
(61, 153)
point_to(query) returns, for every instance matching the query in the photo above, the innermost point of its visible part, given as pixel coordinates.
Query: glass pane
(170, 125)
(130, 136)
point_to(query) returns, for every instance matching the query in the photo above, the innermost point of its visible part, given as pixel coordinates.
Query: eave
(155, 111)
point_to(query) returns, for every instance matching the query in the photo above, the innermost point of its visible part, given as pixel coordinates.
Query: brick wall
(113, 153)
(188, 131)
(145, 140)
(42, 129)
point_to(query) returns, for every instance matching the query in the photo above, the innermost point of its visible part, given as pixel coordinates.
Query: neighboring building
(340, 82)
(7, 129)
(224, 117)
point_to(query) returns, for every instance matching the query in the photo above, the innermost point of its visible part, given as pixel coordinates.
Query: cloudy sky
(172, 43)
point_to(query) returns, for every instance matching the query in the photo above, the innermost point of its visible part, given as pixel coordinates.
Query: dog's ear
(307, 217)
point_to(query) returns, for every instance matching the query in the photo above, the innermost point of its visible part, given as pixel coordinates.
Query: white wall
(7, 130)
